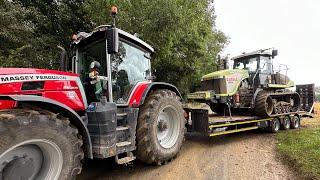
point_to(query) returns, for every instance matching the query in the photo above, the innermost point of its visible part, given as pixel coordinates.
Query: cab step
(121, 115)
(122, 128)
(126, 159)
(124, 143)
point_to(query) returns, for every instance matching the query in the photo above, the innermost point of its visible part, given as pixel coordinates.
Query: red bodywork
(137, 93)
(60, 86)
(57, 85)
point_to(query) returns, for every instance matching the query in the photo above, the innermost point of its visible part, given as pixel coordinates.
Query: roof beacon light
(114, 12)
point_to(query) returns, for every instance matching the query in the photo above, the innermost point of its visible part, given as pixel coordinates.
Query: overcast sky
(291, 26)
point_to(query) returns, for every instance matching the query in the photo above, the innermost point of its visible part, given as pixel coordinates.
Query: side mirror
(112, 41)
(274, 53)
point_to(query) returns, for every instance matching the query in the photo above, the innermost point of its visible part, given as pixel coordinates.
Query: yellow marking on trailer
(233, 131)
(237, 123)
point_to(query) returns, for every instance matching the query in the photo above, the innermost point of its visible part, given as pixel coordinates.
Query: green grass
(300, 149)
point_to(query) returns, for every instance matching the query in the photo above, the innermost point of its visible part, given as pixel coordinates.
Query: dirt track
(238, 156)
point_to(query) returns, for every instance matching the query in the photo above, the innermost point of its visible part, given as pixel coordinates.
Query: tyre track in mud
(247, 155)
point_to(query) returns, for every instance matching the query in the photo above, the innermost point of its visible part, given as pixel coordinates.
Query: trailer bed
(213, 125)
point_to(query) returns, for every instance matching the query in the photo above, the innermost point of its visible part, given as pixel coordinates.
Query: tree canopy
(182, 32)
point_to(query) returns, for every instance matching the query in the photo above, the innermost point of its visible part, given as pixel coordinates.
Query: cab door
(266, 70)
(129, 66)
(95, 51)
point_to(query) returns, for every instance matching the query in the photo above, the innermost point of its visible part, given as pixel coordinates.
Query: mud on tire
(34, 131)
(149, 129)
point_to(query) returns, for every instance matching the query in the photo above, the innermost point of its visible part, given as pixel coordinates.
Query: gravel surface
(247, 155)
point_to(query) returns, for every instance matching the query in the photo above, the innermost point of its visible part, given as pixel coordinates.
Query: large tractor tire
(161, 127)
(38, 145)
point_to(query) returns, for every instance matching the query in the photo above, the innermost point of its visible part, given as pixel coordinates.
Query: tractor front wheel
(161, 127)
(35, 145)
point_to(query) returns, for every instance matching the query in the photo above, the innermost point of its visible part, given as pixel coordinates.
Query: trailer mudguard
(56, 107)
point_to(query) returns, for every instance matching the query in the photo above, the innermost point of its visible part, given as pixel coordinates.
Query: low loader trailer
(200, 118)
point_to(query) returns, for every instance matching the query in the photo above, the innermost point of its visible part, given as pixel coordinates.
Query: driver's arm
(93, 75)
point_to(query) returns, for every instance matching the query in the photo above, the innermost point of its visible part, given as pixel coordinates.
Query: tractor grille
(217, 85)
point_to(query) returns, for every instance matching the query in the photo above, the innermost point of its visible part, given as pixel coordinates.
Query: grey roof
(263, 52)
(84, 35)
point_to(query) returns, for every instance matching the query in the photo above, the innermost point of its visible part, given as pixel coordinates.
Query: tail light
(237, 98)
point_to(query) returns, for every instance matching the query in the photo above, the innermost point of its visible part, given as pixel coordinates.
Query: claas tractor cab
(101, 104)
(260, 68)
(252, 86)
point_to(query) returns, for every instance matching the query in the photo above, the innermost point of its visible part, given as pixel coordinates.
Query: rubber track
(260, 108)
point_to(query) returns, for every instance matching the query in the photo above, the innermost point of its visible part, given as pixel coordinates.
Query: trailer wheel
(275, 125)
(161, 127)
(295, 122)
(35, 145)
(286, 123)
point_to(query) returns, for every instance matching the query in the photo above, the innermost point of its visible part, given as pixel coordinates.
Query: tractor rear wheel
(161, 127)
(35, 145)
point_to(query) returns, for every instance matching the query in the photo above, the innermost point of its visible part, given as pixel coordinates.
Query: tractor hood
(219, 83)
(15, 71)
(16, 75)
(224, 73)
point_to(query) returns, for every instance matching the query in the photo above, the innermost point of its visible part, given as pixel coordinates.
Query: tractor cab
(258, 64)
(123, 61)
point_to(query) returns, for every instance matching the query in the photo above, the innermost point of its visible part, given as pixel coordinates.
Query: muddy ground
(247, 155)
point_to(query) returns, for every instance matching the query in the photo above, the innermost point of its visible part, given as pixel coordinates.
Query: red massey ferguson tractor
(107, 106)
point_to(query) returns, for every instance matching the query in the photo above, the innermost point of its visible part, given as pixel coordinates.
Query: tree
(33, 29)
(182, 32)
(14, 34)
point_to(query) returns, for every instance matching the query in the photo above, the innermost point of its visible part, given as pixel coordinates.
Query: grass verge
(300, 149)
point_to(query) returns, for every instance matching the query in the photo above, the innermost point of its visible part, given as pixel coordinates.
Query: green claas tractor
(252, 86)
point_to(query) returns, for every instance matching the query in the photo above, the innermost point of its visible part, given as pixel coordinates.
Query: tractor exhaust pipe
(222, 63)
(62, 58)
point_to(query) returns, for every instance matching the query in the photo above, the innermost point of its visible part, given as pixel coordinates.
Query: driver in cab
(93, 87)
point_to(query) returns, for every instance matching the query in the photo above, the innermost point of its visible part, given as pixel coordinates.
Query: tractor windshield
(128, 67)
(251, 64)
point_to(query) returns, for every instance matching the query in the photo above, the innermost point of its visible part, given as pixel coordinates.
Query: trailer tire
(38, 145)
(295, 122)
(286, 123)
(275, 125)
(161, 127)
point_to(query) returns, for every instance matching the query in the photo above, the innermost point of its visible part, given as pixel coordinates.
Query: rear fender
(159, 85)
(56, 107)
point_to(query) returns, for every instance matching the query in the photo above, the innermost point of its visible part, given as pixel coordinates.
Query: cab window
(128, 67)
(95, 51)
(250, 64)
(266, 65)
